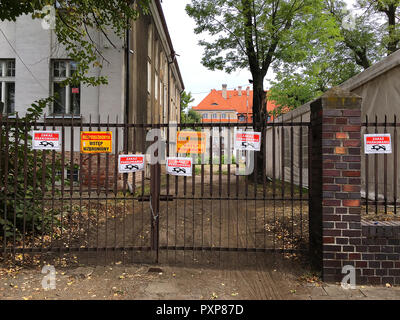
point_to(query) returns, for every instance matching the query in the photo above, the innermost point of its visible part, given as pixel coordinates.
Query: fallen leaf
(214, 296)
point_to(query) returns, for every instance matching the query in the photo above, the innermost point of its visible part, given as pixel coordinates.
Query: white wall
(36, 47)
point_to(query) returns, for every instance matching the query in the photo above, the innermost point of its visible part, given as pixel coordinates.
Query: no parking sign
(377, 143)
(179, 166)
(130, 163)
(245, 140)
(46, 140)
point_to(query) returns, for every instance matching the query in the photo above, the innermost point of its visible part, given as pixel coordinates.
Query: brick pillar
(335, 212)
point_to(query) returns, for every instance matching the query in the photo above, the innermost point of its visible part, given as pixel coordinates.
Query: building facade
(229, 105)
(144, 81)
(144, 85)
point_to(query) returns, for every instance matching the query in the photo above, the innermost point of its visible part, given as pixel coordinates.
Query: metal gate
(69, 207)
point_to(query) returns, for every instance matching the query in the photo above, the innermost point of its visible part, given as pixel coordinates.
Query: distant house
(229, 105)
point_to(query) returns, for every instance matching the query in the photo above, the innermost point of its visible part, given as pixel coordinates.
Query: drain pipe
(127, 74)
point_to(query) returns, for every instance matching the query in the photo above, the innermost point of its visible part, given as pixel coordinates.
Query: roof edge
(373, 71)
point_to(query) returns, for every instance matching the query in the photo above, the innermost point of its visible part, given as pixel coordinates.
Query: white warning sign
(179, 166)
(128, 163)
(245, 140)
(377, 143)
(46, 140)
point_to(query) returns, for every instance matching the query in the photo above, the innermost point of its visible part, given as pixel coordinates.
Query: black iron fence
(380, 176)
(71, 206)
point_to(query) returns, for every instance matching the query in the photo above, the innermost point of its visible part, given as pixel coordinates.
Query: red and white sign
(46, 140)
(179, 166)
(245, 140)
(128, 163)
(75, 90)
(377, 143)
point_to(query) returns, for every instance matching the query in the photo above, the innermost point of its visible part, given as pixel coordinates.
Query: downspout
(127, 83)
(169, 85)
(127, 74)
(127, 66)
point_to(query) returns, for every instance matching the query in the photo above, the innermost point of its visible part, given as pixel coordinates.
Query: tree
(388, 11)
(255, 34)
(75, 22)
(297, 83)
(188, 115)
(356, 49)
(357, 34)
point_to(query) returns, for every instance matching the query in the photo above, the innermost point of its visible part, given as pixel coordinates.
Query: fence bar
(94, 210)
(395, 177)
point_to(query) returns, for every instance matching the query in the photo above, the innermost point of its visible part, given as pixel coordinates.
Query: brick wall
(338, 237)
(99, 170)
(379, 251)
(335, 182)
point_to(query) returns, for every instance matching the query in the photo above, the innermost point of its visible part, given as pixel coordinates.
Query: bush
(21, 200)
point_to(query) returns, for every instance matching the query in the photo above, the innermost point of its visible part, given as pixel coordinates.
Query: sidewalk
(180, 283)
(335, 292)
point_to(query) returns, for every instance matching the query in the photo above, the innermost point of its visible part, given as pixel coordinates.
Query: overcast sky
(198, 80)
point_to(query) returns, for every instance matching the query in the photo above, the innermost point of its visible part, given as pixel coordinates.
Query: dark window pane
(1, 98)
(10, 69)
(60, 102)
(60, 69)
(10, 97)
(75, 175)
(73, 66)
(76, 100)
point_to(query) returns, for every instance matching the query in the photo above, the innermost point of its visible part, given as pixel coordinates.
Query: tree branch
(101, 29)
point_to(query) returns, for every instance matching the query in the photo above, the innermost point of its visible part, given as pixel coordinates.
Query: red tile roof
(241, 104)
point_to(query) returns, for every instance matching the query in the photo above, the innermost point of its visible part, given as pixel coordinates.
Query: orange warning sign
(191, 142)
(96, 142)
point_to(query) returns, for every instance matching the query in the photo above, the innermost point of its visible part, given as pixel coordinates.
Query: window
(224, 116)
(205, 115)
(156, 86)
(214, 116)
(68, 98)
(149, 77)
(7, 85)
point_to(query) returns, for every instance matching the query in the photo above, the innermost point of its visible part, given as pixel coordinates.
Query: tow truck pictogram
(378, 147)
(179, 170)
(46, 143)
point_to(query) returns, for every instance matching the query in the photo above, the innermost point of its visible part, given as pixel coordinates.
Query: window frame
(5, 80)
(68, 88)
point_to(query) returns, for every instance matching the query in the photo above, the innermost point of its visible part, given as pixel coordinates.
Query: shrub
(24, 180)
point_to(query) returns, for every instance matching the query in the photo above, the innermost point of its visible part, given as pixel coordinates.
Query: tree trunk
(393, 41)
(259, 119)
